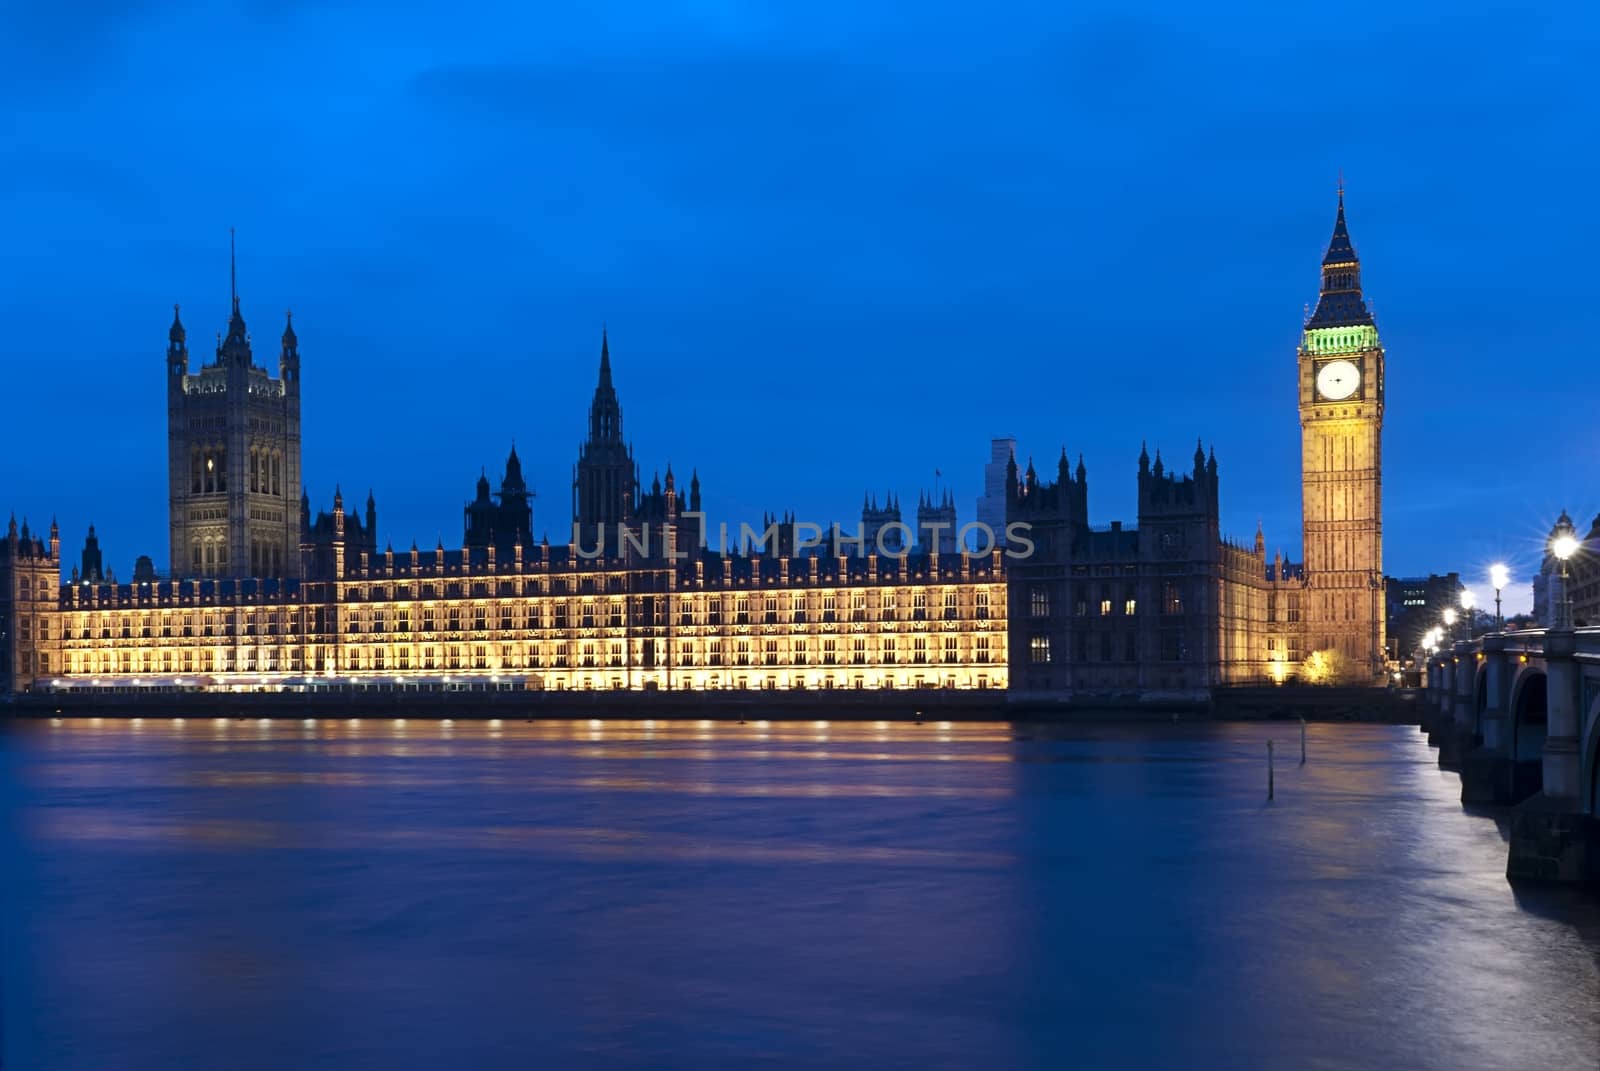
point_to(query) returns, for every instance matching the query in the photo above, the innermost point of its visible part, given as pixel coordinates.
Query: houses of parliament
(263, 592)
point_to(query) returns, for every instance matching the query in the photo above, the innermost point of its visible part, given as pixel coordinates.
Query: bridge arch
(1530, 716)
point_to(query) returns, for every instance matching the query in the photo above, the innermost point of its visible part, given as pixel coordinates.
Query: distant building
(992, 503)
(1415, 604)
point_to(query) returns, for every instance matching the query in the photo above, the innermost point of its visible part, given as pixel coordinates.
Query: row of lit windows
(1040, 600)
(559, 614)
(586, 655)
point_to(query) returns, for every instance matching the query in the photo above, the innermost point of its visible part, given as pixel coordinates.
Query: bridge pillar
(1487, 773)
(1443, 685)
(1456, 739)
(1493, 724)
(1565, 717)
(1551, 838)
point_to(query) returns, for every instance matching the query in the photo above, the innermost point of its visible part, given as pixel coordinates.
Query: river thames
(244, 894)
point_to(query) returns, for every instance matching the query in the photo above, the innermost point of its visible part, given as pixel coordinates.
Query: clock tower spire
(1341, 373)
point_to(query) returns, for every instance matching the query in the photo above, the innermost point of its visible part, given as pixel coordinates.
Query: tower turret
(177, 351)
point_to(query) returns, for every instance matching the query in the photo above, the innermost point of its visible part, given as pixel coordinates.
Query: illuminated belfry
(1341, 381)
(233, 456)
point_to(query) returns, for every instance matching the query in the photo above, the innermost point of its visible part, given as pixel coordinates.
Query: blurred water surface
(275, 894)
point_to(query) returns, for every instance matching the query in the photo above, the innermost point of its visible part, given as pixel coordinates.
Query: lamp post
(1563, 546)
(1449, 629)
(1466, 609)
(1499, 576)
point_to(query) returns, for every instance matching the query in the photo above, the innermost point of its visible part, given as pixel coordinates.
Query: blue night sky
(836, 249)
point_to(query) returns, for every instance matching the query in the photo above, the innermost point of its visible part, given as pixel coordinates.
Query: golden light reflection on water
(584, 842)
(942, 868)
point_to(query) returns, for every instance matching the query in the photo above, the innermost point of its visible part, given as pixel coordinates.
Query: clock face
(1338, 380)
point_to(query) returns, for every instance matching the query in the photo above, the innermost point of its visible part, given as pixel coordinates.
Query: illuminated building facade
(546, 618)
(261, 594)
(635, 601)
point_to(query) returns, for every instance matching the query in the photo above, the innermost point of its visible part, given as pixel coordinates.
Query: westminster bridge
(1518, 714)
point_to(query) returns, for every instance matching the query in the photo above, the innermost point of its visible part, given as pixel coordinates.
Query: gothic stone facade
(233, 458)
(1167, 609)
(262, 595)
(30, 622)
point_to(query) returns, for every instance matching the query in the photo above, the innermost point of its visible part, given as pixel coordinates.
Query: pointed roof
(605, 413)
(1340, 303)
(1340, 248)
(513, 481)
(176, 333)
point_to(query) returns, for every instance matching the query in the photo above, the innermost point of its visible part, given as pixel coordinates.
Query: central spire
(237, 343)
(1340, 249)
(605, 413)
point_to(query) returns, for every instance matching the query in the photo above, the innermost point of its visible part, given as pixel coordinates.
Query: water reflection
(414, 893)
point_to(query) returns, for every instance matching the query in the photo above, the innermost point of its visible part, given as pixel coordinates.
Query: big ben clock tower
(1341, 464)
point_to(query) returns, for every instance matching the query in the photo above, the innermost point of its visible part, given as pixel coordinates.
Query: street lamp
(1499, 576)
(1563, 546)
(1449, 623)
(1466, 609)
